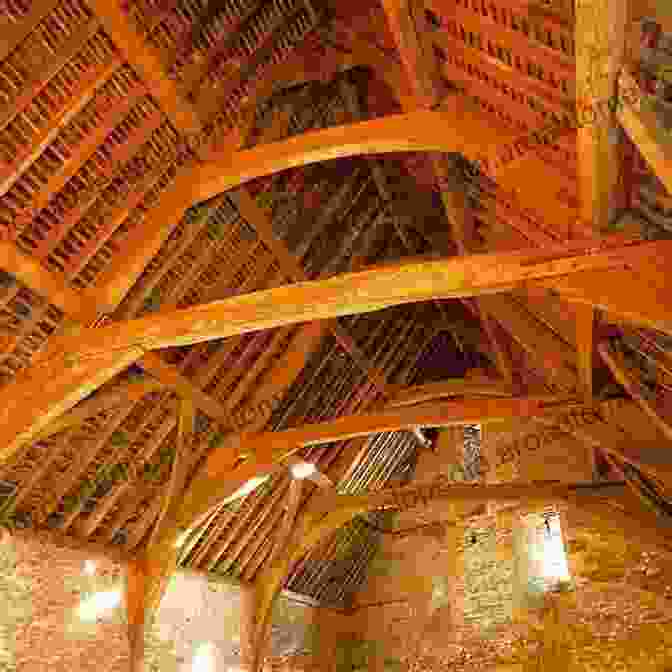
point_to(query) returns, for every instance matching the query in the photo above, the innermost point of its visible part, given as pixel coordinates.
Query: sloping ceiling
(105, 106)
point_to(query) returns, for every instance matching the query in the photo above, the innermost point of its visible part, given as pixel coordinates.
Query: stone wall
(45, 625)
(41, 589)
(454, 593)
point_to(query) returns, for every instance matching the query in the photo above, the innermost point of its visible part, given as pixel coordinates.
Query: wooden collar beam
(78, 365)
(374, 289)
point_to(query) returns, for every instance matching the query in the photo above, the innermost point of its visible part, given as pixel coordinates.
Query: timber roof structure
(241, 234)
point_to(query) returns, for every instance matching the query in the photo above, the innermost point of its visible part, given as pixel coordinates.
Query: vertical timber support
(136, 579)
(600, 51)
(147, 577)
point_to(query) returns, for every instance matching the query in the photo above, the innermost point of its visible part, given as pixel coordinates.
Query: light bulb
(302, 470)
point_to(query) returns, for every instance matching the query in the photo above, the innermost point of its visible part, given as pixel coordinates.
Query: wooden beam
(455, 387)
(408, 33)
(293, 270)
(49, 389)
(102, 401)
(186, 428)
(116, 346)
(147, 64)
(185, 388)
(600, 50)
(159, 559)
(135, 594)
(84, 308)
(13, 33)
(647, 9)
(31, 273)
(269, 449)
(636, 297)
(458, 217)
(289, 517)
(459, 130)
(144, 242)
(584, 317)
(642, 126)
(372, 290)
(276, 382)
(614, 360)
(431, 414)
(545, 349)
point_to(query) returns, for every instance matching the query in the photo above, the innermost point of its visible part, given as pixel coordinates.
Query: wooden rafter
(408, 28)
(289, 516)
(63, 382)
(103, 401)
(11, 34)
(457, 387)
(545, 350)
(141, 56)
(632, 297)
(135, 587)
(279, 379)
(641, 124)
(294, 272)
(186, 427)
(600, 50)
(83, 309)
(144, 242)
(456, 212)
(584, 317)
(614, 360)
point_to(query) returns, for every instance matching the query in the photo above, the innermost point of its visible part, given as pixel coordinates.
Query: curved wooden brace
(454, 130)
(455, 387)
(614, 360)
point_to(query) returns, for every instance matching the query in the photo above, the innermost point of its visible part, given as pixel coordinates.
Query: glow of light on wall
(554, 559)
(99, 603)
(302, 470)
(90, 567)
(204, 658)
